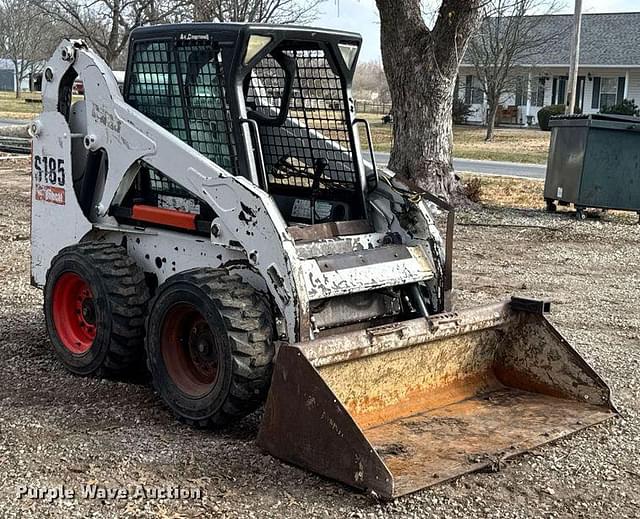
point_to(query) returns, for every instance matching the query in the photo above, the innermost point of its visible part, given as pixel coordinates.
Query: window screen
(316, 108)
(180, 85)
(154, 89)
(206, 111)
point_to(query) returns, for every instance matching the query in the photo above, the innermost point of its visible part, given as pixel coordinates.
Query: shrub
(460, 111)
(624, 107)
(545, 114)
(473, 189)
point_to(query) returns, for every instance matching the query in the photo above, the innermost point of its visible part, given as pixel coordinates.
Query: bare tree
(370, 82)
(107, 24)
(271, 11)
(421, 65)
(25, 38)
(507, 39)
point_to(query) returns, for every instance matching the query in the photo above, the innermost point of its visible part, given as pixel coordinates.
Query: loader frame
(248, 232)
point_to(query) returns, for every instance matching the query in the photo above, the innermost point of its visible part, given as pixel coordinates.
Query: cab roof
(230, 31)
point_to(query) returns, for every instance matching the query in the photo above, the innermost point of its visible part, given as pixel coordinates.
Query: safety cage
(274, 107)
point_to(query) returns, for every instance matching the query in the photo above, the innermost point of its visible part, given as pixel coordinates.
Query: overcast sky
(361, 16)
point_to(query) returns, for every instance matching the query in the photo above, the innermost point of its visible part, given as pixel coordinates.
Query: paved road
(11, 122)
(488, 167)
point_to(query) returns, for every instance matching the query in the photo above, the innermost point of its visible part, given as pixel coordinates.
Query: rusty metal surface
(429, 399)
(404, 334)
(321, 231)
(304, 424)
(402, 382)
(466, 436)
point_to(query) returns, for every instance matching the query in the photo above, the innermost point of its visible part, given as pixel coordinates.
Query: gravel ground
(57, 429)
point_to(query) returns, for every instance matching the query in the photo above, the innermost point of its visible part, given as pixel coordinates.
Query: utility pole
(575, 59)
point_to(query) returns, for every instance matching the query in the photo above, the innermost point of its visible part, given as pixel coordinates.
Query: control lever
(319, 165)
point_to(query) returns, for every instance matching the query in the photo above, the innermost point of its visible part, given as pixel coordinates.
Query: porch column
(626, 84)
(528, 113)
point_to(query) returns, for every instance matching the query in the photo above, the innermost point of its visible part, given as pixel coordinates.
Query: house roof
(607, 39)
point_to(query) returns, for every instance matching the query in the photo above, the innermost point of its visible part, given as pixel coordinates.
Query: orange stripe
(170, 217)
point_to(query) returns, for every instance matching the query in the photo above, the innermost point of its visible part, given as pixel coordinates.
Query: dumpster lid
(586, 119)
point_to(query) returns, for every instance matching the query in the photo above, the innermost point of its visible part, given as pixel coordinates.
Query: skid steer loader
(217, 218)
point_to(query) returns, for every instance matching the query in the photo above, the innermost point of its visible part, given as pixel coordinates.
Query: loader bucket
(400, 407)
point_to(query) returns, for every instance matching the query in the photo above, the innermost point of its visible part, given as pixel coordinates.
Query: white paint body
(260, 247)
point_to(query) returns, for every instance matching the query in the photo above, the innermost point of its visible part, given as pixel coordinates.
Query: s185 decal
(48, 170)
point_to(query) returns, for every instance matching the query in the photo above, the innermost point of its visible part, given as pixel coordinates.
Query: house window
(521, 91)
(473, 94)
(537, 91)
(608, 91)
(559, 90)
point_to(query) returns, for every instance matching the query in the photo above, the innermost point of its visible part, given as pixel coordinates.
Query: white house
(609, 69)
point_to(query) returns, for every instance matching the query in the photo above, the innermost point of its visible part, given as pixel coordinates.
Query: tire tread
(249, 323)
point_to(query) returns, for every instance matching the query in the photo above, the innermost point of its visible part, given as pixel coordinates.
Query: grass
(12, 108)
(509, 145)
(511, 192)
(527, 194)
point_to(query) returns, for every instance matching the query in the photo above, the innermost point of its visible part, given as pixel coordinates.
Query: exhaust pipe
(400, 407)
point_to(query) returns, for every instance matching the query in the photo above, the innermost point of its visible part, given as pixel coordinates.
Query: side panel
(164, 253)
(566, 159)
(56, 218)
(611, 177)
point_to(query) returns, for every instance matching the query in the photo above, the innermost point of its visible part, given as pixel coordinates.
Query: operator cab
(271, 103)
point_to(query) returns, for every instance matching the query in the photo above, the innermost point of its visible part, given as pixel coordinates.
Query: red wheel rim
(74, 315)
(190, 351)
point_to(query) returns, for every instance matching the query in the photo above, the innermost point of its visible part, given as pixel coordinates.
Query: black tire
(111, 340)
(210, 346)
(551, 205)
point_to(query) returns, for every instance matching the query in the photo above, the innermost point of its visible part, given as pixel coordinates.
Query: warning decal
(51, 194)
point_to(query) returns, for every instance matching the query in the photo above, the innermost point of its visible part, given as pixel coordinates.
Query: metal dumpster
(594, 162)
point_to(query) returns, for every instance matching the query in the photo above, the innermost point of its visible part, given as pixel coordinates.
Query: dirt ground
(58, 429)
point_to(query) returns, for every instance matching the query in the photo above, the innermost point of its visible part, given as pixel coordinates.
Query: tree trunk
(112, 53)
(491, 120)
(421, 67)
(16, 131)
(18, 79)
(423, 130)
